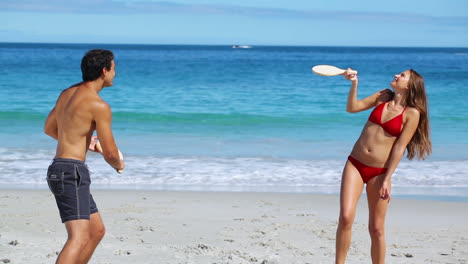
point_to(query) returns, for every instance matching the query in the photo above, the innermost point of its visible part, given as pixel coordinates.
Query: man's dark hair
(94, 61)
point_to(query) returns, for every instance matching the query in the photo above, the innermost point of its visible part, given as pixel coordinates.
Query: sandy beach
(213, 227)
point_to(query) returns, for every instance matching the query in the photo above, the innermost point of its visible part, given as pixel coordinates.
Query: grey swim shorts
(69, 181)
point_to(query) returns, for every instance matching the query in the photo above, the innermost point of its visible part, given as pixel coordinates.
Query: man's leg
(96, 233)
(78, 238)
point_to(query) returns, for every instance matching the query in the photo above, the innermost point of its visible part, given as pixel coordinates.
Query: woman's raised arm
(354, 105)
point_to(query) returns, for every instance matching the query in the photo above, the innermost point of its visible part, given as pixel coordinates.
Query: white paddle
(329, 70)
(99, 149)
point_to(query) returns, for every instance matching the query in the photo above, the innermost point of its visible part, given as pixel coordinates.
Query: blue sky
(418, 23)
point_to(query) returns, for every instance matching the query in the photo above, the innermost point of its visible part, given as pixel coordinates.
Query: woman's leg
(377, 212)
(351, 190)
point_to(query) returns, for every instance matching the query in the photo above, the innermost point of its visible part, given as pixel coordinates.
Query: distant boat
(241, 47)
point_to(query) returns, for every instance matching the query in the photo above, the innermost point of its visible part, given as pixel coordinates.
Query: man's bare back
(80, 111)
(75, 121)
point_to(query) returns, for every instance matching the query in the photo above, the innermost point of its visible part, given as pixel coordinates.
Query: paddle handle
(99, 149)
(121, 158)
(351, 72)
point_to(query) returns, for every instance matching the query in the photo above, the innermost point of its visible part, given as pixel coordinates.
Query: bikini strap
(404, 109)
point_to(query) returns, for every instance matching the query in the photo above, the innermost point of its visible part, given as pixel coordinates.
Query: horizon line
(221, 45)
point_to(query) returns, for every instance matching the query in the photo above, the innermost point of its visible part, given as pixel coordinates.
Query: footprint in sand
(146, 228)
(13, 242)
(200, 249)
(121, 252)
(53, 255)
(121, 238)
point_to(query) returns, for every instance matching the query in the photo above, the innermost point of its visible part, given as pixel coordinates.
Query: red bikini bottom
(366, 172)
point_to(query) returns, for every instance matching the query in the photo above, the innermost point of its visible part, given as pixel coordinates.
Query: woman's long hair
(420, 145)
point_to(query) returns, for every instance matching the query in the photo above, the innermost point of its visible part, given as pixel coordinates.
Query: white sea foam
(239, 174)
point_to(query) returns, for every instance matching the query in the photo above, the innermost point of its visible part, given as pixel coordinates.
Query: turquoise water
(254, 117)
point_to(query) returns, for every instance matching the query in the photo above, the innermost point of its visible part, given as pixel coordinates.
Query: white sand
(211, 227)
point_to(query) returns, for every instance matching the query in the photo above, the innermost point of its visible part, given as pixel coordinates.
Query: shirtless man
(78, 112)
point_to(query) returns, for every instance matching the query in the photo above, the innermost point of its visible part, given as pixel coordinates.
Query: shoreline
(424, 195)
(231, 227)
(436, 180)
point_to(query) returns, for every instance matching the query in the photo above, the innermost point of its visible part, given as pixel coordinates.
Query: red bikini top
(392, 126)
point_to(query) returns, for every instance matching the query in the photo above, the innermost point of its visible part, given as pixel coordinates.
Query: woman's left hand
(385, 190)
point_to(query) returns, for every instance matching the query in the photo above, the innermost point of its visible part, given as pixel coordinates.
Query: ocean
(214, 118)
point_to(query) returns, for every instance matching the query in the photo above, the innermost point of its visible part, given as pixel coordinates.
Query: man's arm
(103, 119)
(50, 126)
